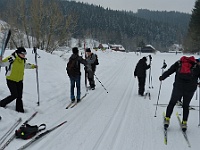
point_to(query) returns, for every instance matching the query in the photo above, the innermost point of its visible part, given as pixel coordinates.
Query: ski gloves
(161, 78)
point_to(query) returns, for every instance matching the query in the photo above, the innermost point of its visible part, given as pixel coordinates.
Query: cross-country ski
(41, 135)
(183, 132)
(165, 131)
(13, 136)
(12, 128)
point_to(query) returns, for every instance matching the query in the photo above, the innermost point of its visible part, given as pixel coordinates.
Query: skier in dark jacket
(75, 73)
(183, 87)
(140, 72)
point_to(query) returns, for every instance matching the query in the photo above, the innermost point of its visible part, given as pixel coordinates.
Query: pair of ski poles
(86, 74)
(37, 78)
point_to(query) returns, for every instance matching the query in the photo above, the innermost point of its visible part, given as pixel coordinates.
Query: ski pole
(150, 76)
(196, 95)
(86, 74)
(100, 83)
(197, 91)
(37, 79)
(163, 67)
(199, 107)
(4, 44)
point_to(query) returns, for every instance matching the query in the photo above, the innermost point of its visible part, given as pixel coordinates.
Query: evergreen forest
(58, 20)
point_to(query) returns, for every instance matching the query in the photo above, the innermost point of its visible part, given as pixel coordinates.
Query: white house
(176, 48)
(116, 47)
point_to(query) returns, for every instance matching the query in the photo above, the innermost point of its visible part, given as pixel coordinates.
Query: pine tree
(192, 42)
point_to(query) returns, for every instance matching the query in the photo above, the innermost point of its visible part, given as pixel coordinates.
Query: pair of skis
(3, 138)
(30, 142)
(4, 42)
(73, 104)
(183, 132)
(13, 136)
(40, 136)
(191, 107)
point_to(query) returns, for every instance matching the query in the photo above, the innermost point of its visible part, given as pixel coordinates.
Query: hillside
(120, 27)
(126, 27)
(173, 17)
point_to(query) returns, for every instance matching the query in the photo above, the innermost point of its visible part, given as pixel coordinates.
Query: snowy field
(117, 120)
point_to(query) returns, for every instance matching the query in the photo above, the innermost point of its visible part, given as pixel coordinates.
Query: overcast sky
(133, 5)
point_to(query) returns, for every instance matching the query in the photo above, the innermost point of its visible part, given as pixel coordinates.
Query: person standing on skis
(15, 65)
(91, 67)
(74, 73)
(140, 73)
(187, 73)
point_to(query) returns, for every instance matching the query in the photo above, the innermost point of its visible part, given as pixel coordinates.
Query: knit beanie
(75, 50)
(144, 58)
(88, 50)
(21, 50)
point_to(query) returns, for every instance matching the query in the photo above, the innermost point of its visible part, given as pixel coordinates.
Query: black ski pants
(141, 85)
(16, 90)
(177, 94)
(91, 78)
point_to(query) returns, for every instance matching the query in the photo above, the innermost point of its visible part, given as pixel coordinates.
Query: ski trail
(110, 131)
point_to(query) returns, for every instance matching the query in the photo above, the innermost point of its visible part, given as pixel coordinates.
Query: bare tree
(38, 20)
(50, 27)
(42, 20)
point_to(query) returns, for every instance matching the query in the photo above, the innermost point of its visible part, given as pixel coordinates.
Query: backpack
(27, 131)
(186, 65)
(96, 60)
(72, 66)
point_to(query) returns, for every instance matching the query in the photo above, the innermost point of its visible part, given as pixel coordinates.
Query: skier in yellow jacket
(15, 65)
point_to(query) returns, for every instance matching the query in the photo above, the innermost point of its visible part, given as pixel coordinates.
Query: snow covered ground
(117, 120)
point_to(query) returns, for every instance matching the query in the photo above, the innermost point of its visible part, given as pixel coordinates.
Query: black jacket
(76, 70)
(141, 67)
(187, 85)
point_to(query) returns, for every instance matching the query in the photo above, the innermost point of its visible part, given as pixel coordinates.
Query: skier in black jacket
(184, 87)
(74, 73)
(140, 72)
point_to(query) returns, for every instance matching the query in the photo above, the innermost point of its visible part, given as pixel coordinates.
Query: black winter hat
(21, 50)
(75, 50)
(88, 50)
(144, 58)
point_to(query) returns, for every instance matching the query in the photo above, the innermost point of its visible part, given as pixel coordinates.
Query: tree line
(40, 22)
(192, 40)
(53, 22)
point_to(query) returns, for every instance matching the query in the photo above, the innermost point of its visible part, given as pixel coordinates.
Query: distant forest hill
(159, 28)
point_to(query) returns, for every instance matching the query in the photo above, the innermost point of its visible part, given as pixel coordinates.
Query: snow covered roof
(150, 46)
(105, 45)
(120, 47)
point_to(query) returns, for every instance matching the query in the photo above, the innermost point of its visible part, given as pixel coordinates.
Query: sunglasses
(24, 53)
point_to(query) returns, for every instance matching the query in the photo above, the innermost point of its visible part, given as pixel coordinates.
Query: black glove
(161, 78)
(164, 65)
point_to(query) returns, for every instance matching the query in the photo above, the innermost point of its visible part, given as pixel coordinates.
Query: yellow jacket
(15, 66)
